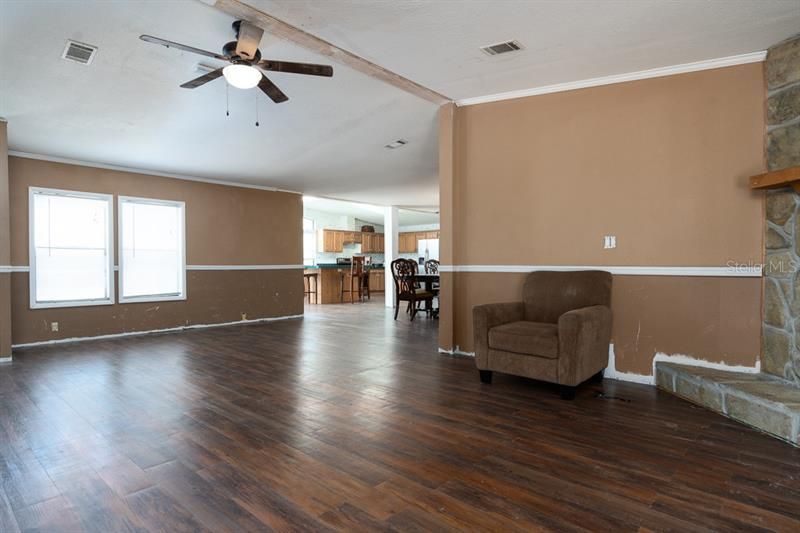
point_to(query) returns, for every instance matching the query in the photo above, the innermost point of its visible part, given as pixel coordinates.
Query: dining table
(428, 280)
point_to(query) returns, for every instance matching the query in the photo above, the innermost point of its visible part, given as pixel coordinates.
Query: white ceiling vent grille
(79, 52)
(501, 48)
(396, 144)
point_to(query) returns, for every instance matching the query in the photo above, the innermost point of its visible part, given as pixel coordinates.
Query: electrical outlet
(53, 326)
(244, 316)
(609, 241)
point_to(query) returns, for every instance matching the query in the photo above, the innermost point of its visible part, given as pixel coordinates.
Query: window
(309, 242)
(70, 247)
(152, 259)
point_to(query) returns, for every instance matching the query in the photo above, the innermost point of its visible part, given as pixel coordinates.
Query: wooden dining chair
(405, 286)
(358, 275)
(431, 266)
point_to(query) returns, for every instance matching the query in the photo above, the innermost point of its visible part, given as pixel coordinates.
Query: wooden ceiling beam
(283, 30)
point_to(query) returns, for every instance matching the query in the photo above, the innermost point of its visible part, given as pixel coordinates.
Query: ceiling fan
(245, 61)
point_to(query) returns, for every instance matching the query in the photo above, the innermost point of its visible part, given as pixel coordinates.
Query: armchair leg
(486, 376)
(567, 392)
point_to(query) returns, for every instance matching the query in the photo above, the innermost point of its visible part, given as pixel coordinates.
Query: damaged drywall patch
(691, 361)
(611, 371)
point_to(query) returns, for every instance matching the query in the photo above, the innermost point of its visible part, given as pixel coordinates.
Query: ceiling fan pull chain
(256, 108)
(227, 102)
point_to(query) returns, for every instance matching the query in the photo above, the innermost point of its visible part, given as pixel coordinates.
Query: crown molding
(742, 59)
(119, 168)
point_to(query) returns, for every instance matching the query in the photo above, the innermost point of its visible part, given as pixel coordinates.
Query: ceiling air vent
(396, 144)
(501, 48)
(79, 52)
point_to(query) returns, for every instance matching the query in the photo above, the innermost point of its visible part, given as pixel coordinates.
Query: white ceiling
(368, 212)
(436, 43)
(127, 109)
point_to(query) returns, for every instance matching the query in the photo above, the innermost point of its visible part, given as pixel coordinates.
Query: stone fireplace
(769, 400)
(781, 339)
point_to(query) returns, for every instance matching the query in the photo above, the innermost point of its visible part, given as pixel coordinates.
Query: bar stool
(359, 283)
(308, 277)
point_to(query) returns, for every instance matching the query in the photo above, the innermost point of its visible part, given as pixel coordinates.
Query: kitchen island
(329, 282)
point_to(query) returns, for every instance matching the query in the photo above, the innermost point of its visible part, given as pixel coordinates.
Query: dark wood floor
(347, 420)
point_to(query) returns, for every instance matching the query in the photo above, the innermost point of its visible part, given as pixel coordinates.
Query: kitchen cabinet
(338, 240)
(351, 237)
(333, 240)
(376, 280)
(367, 242)
(329, 241)
(372, 243)
(407, 243)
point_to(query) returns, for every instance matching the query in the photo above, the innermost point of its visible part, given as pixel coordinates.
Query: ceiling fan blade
(205, 78)
(179, 46)
(248, 41)
(297, 68)
(271, 90)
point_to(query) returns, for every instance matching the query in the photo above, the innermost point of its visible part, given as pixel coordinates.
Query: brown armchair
(559, 332)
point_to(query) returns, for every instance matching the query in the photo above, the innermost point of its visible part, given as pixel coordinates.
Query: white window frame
(152, 298)
(314, 236)
(109, 198)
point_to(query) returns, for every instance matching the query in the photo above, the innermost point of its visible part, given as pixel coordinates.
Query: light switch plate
(609, 241)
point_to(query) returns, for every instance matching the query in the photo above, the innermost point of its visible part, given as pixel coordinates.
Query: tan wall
(5, 315)
(716, 319)
(224, 226)
(5, 232)
(5, 249)
(660, 163)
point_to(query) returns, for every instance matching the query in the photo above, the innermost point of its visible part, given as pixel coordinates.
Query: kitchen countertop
(335, 266)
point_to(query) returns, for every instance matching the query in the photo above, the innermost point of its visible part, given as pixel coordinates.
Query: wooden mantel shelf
(777, 178)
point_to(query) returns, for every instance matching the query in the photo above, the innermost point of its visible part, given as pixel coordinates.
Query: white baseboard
(5, 360)
(149, 332)
(611, 371)
(456, 351)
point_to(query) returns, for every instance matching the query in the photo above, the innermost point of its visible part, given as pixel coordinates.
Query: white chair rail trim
(6, 269)
(733, 271)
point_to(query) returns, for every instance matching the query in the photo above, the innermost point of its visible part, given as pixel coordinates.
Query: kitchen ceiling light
(242, 76)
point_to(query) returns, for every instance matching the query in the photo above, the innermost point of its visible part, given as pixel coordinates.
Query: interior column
(5, 249)
(446, 227)
(391, 233)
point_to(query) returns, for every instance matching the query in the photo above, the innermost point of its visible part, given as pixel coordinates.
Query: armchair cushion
(487, 316)
(529, 338)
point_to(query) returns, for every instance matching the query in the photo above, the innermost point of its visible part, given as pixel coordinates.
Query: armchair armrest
(583, 338)
(484, 318)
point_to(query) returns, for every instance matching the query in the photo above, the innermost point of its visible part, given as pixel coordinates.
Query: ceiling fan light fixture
(242, 76)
